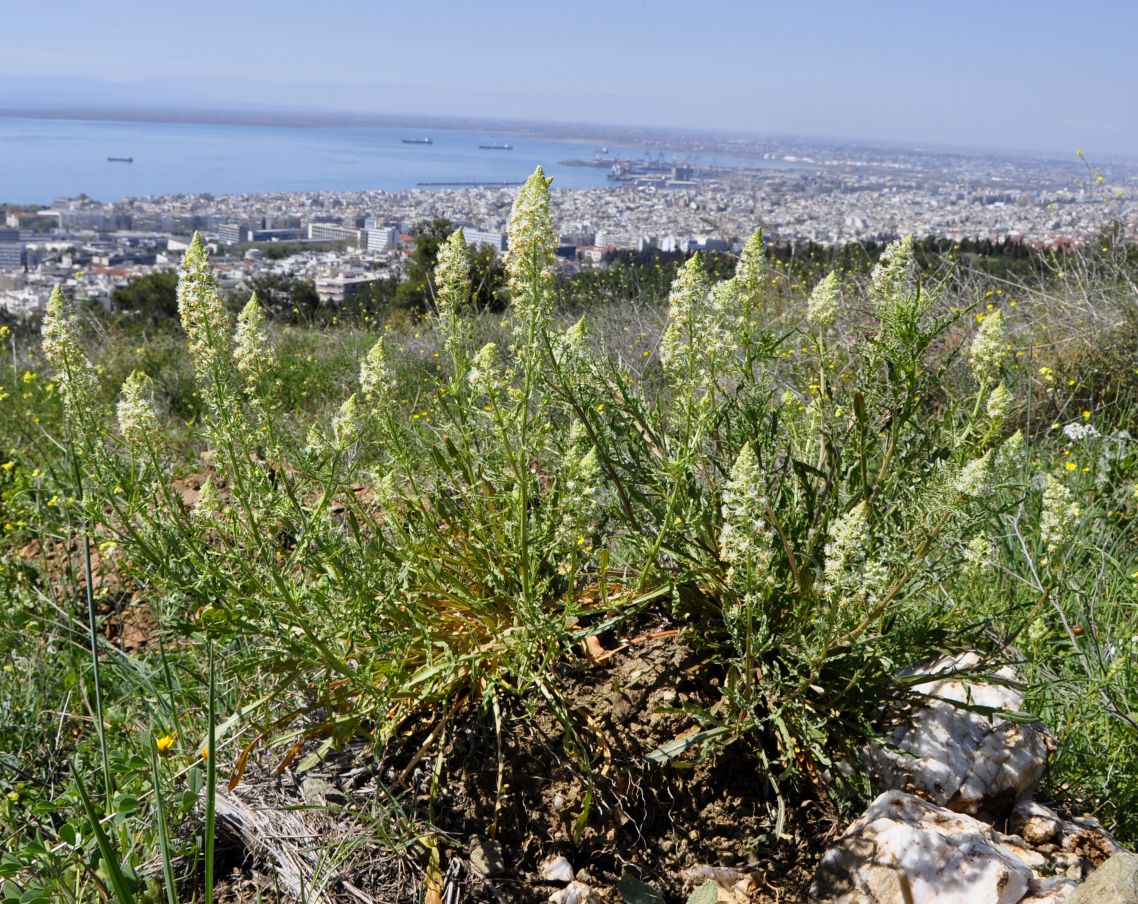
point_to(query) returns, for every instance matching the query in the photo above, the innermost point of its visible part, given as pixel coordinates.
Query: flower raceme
(203, 313)
(681, 346)
(529, 260)
(752, 271)
(999, 403)
(452, 290)
(574, 344)
(848, 541)
(745, 540)
(899, 303)
(252, 352)
(77, 382)
(583, 494)
(208, 504)
(1060, 512)
(751, 276)
(376, 380)
(348, 423)
(485, 375)
(973, 477)
(137, 416)
(822, 306)
(989, 349)
(893, 278)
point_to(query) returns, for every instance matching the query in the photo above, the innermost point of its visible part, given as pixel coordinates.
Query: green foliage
(815, 487)
(790, 573)
(285, 298)
(417, 289)
(149, 299)
(705, 894)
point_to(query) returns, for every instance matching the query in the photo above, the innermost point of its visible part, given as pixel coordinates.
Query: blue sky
(1024, 74)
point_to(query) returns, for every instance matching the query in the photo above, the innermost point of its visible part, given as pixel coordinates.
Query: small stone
(725, 876)
(486, 857)
(1069, 864)
(1036, 823)
(557, 869)
(1049, 890)
(319, 793)
(1016, 846)
(575, 893)
(1115, 882)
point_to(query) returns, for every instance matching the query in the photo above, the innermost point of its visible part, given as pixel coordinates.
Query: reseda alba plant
(806, 506)
(798, 502)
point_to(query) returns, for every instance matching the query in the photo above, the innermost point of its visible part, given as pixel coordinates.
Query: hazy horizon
(237, 112)
(1043, 78)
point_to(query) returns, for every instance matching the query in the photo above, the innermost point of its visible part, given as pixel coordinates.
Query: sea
(42, 159)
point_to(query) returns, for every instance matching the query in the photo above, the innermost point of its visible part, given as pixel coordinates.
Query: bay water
(41, 159)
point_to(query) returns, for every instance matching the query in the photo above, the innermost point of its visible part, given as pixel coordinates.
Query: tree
(373, 298)
(488, 277)
(284, 297)
(417, 291)
(152, 298)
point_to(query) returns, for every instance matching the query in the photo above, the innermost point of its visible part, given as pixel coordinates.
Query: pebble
(486, 857)
(575, 893)
(557, 869)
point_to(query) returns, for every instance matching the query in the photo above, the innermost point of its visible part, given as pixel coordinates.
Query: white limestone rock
(905, 850)
(575, 893)
(1017, 847)
(1036, 823)
(557, 869)
(968, 761)
(1050, 890)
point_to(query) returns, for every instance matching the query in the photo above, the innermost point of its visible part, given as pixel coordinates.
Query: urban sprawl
(341, 241)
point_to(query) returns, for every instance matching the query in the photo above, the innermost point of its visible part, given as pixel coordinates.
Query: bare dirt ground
(496, 805)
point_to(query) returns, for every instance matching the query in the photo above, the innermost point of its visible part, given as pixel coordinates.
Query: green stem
(93, 629)
(210, 774)
(100, 728)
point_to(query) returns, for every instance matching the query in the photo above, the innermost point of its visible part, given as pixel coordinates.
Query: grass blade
(114, 870)
(210, 775)
(163, 829)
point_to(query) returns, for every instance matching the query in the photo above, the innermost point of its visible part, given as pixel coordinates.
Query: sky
(1016, 74)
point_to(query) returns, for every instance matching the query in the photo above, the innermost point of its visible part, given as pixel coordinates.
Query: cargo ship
(120, 160)
(496, 147)
(417, 141)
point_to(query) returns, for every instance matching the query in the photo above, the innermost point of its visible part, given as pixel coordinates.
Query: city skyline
(1040, 78)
